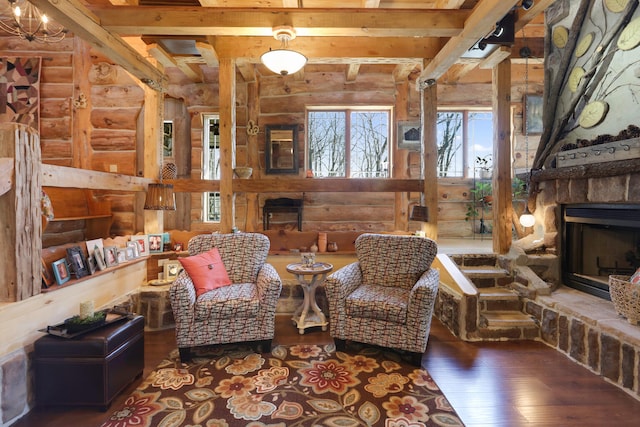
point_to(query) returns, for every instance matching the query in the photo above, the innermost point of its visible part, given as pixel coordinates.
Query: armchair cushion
(207, 271)
(379, 302)
(229, 302)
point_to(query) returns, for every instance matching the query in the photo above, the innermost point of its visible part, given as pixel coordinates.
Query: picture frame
(93, 266)
(111, 256)
(47, 278)
(94, 243)
(177, 247)
(171, 270)
(61, 271)
(122, 255)
(143, 244)
(409, 135)
(281, 149)
(532, 120)
(77, 262)
(156, 243)
(131, 250)
(99, 257)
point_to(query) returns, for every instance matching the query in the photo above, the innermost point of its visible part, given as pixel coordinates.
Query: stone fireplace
(598, 240)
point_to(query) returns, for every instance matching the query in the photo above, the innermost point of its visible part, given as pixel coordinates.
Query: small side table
(309, 314)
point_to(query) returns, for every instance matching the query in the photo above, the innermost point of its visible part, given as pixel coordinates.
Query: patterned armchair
(242, 311)
(385, 298)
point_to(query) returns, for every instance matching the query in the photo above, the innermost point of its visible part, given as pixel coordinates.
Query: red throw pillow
(207, 271)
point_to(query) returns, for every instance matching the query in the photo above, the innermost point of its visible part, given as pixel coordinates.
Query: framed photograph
(409, 135)
(143, 244)
(533, 118)
(156, 243)
(171, 270)
(61, 271)
(177, 247)
(111, 256)
(95, 243)
(91, 262)
(99, 257)
(77, 262)
(122, 255)
(131, 250)
(47, 278)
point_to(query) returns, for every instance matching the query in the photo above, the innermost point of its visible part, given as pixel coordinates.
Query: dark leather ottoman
(91, 369)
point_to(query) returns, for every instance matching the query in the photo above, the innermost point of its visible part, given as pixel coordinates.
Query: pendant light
(283, 61)
(526, 219)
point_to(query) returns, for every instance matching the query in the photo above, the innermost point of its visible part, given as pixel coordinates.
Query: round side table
(309, 314)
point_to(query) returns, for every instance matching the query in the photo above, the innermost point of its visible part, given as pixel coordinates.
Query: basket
(625, 297)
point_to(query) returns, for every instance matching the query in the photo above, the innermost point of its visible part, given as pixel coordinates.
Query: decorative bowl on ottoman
(625, 297)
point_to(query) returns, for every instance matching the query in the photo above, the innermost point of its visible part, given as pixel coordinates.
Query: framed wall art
(409, 135)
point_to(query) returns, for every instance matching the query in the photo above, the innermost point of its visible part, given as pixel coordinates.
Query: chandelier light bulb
(527, 219)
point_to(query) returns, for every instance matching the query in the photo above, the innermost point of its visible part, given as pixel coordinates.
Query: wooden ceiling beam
(200, 21)
(81, 22)
(481, 22)
(208, 53)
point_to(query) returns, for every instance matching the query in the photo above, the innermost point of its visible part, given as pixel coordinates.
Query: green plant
(96, 317)
(482, 198)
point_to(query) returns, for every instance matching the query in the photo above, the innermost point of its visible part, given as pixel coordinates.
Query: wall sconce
(160, 197)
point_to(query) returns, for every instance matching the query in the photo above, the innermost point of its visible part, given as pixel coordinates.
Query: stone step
(507, 319)
(498, 299)
(487, 276)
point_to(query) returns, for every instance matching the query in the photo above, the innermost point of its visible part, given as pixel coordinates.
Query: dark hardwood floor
(501, 384)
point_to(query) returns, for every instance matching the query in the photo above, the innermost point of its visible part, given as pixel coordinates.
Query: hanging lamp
(283, 61)
(26, 21)
(526, 219)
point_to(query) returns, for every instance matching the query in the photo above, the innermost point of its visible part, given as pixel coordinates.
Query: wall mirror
(281, 148)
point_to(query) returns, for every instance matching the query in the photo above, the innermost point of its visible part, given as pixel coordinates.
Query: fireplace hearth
(599, 240)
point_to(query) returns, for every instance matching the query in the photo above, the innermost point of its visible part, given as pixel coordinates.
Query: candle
(86, 309)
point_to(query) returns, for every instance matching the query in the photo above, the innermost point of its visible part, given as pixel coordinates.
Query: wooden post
(20, 214)
(81, 105)
(502, 204)
(227, 97)
(429, 112)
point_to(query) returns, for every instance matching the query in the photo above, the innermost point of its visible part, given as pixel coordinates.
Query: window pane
(480, 140)
(450, 140)
(211, 165)
(369, 144)
(326, 136)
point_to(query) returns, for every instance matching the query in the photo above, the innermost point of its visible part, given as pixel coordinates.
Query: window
(211, 165)
(465, 142)
(350, 143)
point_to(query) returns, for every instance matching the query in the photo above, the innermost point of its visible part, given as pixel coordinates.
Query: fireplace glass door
(599, 240)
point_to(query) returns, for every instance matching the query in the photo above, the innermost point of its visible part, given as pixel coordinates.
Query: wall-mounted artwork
(20, 91)
(409, 135)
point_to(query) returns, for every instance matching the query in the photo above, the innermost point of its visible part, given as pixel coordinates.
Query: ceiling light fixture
(283, 61)
(26, 21)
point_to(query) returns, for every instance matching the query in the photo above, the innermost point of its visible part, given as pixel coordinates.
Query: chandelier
(26, 21)
(283, 61)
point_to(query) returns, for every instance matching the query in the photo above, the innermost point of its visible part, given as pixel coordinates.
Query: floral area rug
(300, 385)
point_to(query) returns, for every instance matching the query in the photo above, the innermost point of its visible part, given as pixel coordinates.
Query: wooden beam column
(227, 98)
(502, 204)
(81, 105)
(429, 113)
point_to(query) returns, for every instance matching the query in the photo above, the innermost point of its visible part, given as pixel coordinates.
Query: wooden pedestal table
(309, 314)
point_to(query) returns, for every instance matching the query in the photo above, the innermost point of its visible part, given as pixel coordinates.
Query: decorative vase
(243, 172)
(322, 242)
(332, 247)
(314, 248)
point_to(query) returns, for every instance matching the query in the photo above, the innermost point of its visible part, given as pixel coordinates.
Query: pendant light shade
(527, 219)
(283, 61)
(160, 197)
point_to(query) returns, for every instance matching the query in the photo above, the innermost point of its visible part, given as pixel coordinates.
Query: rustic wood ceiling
(430, 36)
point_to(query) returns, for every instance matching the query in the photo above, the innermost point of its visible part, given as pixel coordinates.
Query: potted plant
(480, 204)
(484, 166)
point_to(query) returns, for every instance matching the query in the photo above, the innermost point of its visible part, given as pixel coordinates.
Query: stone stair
(500, 308)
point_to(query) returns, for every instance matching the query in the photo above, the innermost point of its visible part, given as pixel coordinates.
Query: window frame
(208, 120)
(348, 110)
